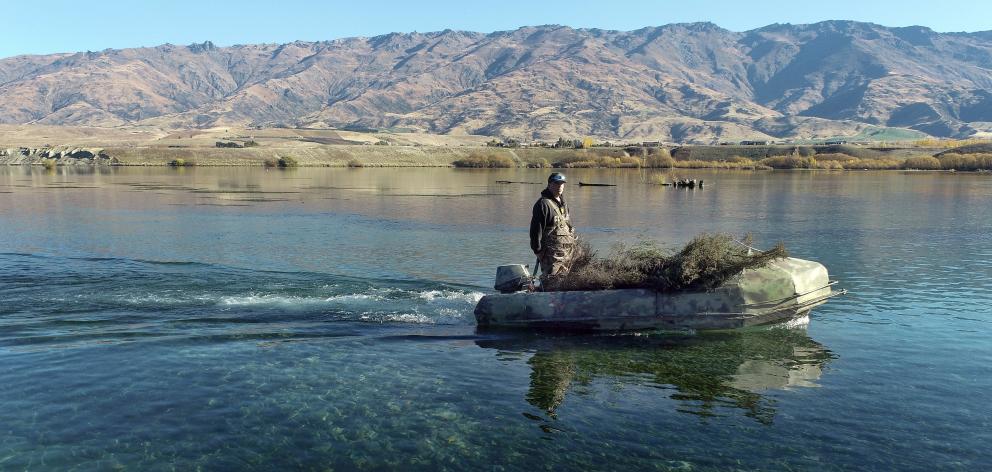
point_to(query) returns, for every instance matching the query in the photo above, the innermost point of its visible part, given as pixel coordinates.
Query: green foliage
(703, 264)
(288, 161)
(228, 144)
(708, 261)
(884, 134)
(251, 143)
(182, 163)
(481, 160)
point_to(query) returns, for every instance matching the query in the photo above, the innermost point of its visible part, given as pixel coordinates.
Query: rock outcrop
(60, 155)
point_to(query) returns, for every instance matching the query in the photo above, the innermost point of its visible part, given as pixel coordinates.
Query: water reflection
(700, 373)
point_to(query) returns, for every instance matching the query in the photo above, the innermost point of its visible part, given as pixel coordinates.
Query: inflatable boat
(780, 291)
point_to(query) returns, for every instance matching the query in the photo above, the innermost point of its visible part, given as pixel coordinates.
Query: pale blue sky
(48, 26)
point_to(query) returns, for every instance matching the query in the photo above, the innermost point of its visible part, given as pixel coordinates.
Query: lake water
(242, 319)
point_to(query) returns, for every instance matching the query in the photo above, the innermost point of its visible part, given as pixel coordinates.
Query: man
(552, 237)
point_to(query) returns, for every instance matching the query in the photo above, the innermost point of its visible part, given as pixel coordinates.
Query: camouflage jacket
(550, 222)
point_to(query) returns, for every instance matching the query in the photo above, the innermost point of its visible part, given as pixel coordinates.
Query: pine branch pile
(703, 264)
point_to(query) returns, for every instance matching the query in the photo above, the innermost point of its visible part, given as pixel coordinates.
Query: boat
(780, 291)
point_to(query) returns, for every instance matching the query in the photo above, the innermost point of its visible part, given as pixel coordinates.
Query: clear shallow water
(315, 319)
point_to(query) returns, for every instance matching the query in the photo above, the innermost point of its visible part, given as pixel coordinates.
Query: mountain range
(692, 82)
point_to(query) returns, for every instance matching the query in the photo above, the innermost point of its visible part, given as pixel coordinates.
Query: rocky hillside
(680, 82)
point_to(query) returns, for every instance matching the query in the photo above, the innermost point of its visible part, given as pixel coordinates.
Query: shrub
(966, 162)
(789, 162)
(873, 164)
(660, 160)
(382, 142)
(693, 164)
(181, 163)
(288, 161)
(490, 161)
(541, 163)
(922, 163)
(837, 165)
(563, 159)
(227, 144)
(356, 163)
(658, 157)
(49, 163)
(589, 162)
(270, 162)
(834, 157)
(735, 163)
(631, 162)
(251, 143)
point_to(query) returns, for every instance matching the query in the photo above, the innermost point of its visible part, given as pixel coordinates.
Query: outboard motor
(512, 278)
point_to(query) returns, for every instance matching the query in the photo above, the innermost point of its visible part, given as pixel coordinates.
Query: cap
(556, 177)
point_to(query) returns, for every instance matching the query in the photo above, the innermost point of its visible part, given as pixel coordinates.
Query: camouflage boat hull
(782, 290)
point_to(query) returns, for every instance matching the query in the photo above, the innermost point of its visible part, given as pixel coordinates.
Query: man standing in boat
(552, 237)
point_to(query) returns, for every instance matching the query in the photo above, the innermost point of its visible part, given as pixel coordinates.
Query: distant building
(754, 143)
(835, 142)
(651, 144)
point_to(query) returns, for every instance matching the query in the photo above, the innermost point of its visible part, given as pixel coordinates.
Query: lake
(244, 319)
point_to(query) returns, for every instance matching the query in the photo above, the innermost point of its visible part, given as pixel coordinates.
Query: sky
(50, 26)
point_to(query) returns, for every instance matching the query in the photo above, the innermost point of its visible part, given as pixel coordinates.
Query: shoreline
(54, 146)
(368, 156)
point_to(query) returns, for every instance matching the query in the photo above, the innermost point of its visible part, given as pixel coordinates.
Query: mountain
(679, 82)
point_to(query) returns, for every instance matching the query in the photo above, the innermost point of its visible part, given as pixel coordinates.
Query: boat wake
(47, 298)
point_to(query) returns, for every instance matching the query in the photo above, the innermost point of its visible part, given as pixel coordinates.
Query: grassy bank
(814, 157)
